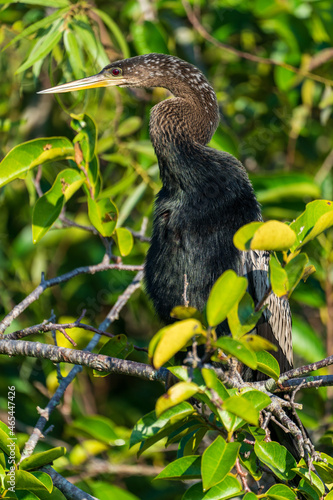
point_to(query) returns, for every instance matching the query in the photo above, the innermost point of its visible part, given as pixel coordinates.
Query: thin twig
(35, 294)
(246, 55)
(64, 382)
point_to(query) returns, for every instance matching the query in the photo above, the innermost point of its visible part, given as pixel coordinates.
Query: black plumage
(206, 196)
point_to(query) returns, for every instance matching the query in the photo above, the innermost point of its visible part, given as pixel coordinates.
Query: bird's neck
(177, 126)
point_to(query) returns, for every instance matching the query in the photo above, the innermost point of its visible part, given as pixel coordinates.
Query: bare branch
(65, 382)
(77, 357)
(68, 489)
(35, 294)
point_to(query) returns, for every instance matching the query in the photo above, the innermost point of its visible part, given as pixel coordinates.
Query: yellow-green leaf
(176, 394)
(267, 364)
(237, 349)
(103, 215)
(124, 240)
(279, 277)
(226, 292)
(30, 154)
(317, 217)
(270, 235)
(48, 207)
(174, 338)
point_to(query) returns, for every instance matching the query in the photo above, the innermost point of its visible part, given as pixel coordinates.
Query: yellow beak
(99, 80)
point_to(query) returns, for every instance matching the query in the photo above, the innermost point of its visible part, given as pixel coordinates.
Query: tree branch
(68, 489)
(35, 294)
(64, 382)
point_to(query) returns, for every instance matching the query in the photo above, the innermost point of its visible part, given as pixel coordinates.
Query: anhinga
(206, 196)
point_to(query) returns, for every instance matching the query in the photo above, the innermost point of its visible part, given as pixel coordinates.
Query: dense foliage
(84, 160)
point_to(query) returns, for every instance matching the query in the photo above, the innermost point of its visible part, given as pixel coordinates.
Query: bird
(206, 196)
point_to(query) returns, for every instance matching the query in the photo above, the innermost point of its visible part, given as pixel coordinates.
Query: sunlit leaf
(183, 468)
(217, 460)
(226, 292)
(31, 154)
(124, 240)
(317, 217)
(149, 424)
(242, 318)
(48, 207)
(40, 459)
(228, 488)
(277, 458)
(174, 338)
(43, 46)
(267, 364)
(176, 394)
(238, 349)
(103, 215)
(270, 235)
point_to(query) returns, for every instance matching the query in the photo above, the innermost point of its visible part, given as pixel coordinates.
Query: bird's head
(150, 70)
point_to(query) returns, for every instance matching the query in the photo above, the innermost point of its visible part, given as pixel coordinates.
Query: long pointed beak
(99, 80)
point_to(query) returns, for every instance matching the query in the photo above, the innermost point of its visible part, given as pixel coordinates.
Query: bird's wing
(275, 323)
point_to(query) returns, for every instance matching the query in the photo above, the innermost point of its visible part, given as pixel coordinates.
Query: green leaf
(44, 45)
(184, 468)
(280, 492)
(270, 235)
(48, 207)
(310, 493)
(8, 446)
(237, 349)
(277, 458)
(103, 215)
(278, 277)
(249, 460)
(257, 398)
(87, 134)
(39, 24)
(91, 43)
(36, 481)
(295, 270)
(257, 343)
(217, 461)
(228, 488)
(73, 52)
(226, 292)
(243, 408)
(242, 318)
(98, 427)
(147, 37)
(124, 240)
(214, 383)
(114, 28)
(176, 394)
(317, 217)
(172, 432)
(244, 235)
(117, 347)
(30, 154)
(173, 338)
(39, 459)
(311, 478)
(190, 442)
(266, 363)
(250, 496)
(129, 126)
(149, 425)
(185, 312)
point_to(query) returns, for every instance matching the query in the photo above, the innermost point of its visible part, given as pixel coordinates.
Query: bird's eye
(116, 71)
